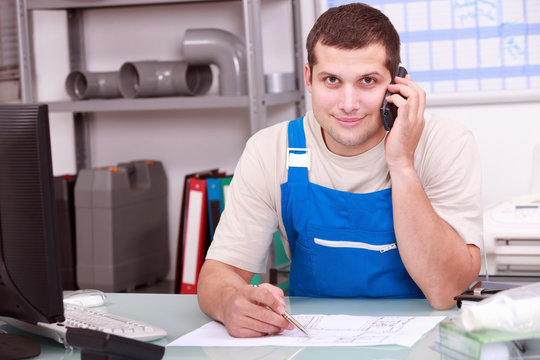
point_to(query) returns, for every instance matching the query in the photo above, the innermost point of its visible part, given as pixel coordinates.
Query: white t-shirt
(446, 160)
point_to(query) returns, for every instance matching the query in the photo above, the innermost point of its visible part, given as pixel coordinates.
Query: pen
(293, 321)
(290, 319)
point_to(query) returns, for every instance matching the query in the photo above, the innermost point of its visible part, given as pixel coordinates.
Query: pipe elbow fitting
(223, 49)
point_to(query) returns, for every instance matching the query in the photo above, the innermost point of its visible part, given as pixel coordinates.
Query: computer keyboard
(78, 316)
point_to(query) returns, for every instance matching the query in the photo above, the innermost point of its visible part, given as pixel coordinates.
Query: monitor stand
(15, 346)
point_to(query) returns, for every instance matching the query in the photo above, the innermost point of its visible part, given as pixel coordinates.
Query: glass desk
(180, 314)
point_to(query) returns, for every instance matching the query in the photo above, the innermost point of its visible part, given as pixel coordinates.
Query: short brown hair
(354, 26)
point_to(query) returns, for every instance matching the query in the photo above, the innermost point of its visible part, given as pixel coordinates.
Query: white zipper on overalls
(358, 245)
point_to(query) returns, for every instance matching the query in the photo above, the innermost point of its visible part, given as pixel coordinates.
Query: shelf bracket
(256, 92)
(25, 62)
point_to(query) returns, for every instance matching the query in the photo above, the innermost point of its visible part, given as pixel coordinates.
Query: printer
(512, 237)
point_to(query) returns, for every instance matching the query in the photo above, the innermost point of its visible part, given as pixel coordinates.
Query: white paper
(325, 330)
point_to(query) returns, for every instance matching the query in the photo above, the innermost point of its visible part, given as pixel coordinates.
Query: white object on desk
(515, 310)
(512, 236)
(86, 297)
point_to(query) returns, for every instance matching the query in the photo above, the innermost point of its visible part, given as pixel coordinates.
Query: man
(363, 212)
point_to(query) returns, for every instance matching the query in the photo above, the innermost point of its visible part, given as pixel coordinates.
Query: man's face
(347, 89)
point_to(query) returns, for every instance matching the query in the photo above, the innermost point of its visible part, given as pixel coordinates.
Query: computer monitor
(30, 275)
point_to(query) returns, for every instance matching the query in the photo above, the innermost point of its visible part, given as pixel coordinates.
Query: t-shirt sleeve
(451, 174)
(245, 230)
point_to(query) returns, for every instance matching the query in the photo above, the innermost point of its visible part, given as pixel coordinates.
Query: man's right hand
(245, 310)
(256, 311)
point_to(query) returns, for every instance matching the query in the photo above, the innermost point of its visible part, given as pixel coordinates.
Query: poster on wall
(466, 51)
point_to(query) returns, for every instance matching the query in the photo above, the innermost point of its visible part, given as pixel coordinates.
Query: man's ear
(307, 77)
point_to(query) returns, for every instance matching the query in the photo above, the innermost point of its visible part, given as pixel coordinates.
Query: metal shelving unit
(256, 101)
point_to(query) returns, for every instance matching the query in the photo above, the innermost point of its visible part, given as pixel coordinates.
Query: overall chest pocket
(355, 245)
(353, 262)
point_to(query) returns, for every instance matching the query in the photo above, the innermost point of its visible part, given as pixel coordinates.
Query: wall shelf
(255, 102)
(169, 103)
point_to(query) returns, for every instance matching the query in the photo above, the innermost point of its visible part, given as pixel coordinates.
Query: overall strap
(298, 156)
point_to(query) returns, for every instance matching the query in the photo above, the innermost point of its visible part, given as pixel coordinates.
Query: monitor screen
(30, 275)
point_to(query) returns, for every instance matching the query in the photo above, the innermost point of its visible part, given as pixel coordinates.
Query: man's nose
(350, 100)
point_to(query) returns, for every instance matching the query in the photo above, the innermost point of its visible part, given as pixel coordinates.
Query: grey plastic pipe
(164, 78)
(223, 49)
(85, 85)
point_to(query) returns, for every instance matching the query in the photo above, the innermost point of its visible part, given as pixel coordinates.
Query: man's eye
(332, 80)
(368, 80)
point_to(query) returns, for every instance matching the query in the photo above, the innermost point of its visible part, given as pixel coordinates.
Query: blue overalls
(342, 244)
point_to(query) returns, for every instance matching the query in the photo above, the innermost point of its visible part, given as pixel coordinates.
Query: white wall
(506, 135)
(188, 141)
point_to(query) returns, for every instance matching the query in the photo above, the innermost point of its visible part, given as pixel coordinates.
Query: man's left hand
(403, 139)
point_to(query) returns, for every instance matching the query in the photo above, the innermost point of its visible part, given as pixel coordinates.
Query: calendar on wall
(467, 47)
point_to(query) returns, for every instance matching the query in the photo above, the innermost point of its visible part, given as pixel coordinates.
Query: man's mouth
(349, 121)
